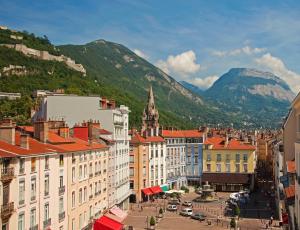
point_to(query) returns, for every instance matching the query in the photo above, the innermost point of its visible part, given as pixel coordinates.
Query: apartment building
(56, 181)
(138, 166)
(228, 164)
(77, 109)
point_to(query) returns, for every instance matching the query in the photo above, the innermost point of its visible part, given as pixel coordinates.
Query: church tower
(150, 116)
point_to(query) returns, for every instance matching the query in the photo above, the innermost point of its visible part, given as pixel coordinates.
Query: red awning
(147, 191)
(106, 223)
(156, 189)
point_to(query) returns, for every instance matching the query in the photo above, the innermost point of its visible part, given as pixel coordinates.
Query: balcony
(7, 174)
(61, 216)
(47, 223)
(61, 190)
(35, 227)
(6, 211)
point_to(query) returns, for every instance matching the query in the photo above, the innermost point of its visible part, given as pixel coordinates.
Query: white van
(186, 212)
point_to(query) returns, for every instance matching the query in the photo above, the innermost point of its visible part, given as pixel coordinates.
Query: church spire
(150, 114)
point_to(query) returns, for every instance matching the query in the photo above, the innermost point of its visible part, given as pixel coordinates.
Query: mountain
(192, 88)
(113, 71)
(112, 64)
(259, 98)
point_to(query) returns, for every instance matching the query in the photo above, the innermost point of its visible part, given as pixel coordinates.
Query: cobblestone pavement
(214, 210)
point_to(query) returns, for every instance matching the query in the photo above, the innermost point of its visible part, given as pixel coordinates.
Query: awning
(106, 223)
(118, 212)
(156, 189)
(147, 191)
(164, 187)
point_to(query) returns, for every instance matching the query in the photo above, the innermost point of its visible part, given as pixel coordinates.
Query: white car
(187, 203)
(172, 207)
(186, 212)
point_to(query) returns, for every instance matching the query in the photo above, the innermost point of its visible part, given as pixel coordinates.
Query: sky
(196, 41)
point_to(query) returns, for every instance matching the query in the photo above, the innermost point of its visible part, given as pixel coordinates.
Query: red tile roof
(181, 133)
(233, 144)
(291, 166)
(290, 191)
(137, 138)
(155, 139)
(104, 132)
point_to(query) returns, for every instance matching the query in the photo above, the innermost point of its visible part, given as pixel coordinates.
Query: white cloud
(140, 53)
(182, 64)
(204, 83)
(277, 66)
(248, 50)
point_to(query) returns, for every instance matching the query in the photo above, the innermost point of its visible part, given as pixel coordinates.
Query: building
(138, 166)
(228, 164)
(77, 109)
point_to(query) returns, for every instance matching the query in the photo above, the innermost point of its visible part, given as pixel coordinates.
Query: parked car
(198, 216)
(186, 212)
(172, 207)
(187, 203)
(174, 201)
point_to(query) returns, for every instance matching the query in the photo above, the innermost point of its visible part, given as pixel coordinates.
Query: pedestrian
(141, 208)
(271, 220)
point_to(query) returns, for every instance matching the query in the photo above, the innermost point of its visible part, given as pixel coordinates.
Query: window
(161, 170)
(237, 157)
(32, 217)
(61, 160)
(208, 166)
(80, 196)
(156, 153)
(21, 221)
(227, 157)
(151, 153)
(91, 169)
(33, 188)
(144, 171)
(218, 167)
(73, 224)
(21, 192)
(96, 187)
(96, 168)
(46, 211)
(61, 205)
(22, 165)
(61, 181)
(131, 159)
(73, 199)
(245, 167)
(219, 157)
(161, 153)
(80, 172)
(237, 168)
(73, 158)
(91, 212)
(80, 221)
(131, 184)
(227, 167)
(73, 174)
(91, 190)
(85, 171)
(46, 162)
(84, 194)
(46, 193)
(208, 157)
(245, 157)
(33, 164)
(131, 171)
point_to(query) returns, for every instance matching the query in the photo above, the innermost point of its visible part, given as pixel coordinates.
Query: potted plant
(152, 223)
(160, 213)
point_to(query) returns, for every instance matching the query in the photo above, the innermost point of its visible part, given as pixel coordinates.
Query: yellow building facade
(228, 165)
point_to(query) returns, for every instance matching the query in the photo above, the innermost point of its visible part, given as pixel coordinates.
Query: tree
(152, 221)
(232, 223)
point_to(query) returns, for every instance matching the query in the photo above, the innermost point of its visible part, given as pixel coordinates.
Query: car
(198, 216)
(172, 207)
(174, 201)
(187, 203)
(186, 212)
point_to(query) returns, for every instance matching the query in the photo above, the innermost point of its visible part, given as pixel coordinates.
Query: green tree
(152, 221)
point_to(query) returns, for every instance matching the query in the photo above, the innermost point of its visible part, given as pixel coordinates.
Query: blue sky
(191, 40)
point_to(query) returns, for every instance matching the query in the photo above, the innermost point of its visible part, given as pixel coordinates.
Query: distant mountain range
(246, 98)
(259, 98)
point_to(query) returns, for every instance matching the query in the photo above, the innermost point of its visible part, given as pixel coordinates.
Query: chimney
(41, 129)
(24, 141)
(90, 130)
(7, 131)
(64, 132)
(226, 140)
